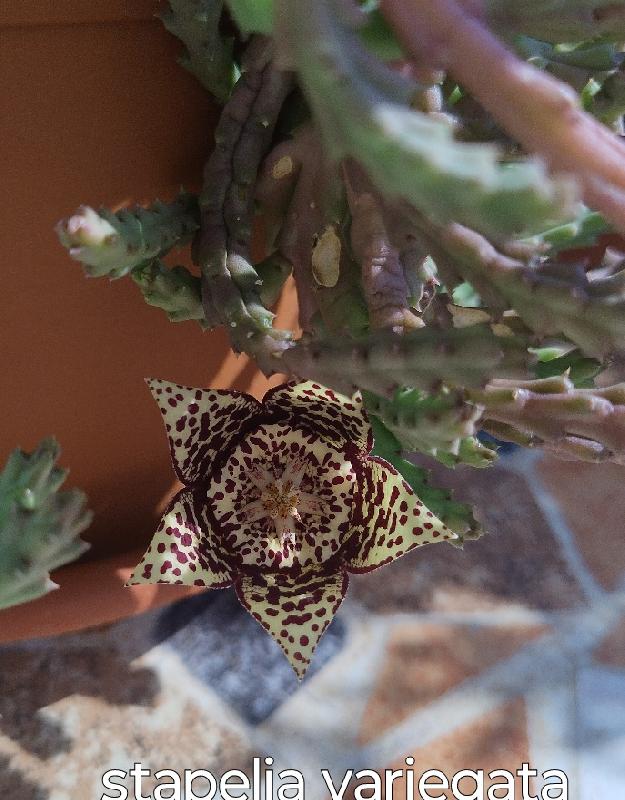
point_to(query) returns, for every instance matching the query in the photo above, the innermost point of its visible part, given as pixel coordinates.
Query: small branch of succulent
(441, 425)
(382, 363)
(230, 285)
(290, 195)
(551, 298)
(208, 54)
(576, 424)
(540, 112)
(365, 110)
(114, 243)
(177, 291)
(39, 526)
(457, 516)
(384, 283)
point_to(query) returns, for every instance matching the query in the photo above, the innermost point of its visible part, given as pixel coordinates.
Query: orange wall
(95, 112)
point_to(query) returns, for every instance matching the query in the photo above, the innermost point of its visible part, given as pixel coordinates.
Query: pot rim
(90, 594)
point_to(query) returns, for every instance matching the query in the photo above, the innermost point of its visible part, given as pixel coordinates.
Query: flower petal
(340, 420)
(295, 611)
(390, 519)
(202, 424)
(184, 549)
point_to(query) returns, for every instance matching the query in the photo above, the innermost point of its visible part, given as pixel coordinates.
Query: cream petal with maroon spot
(184, 549)
(201, 424)
(391, 520)
(283, 499)
(338, 419)
(295, 611)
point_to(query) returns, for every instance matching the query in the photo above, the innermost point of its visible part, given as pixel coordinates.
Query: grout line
(524, 464)
(541, 663)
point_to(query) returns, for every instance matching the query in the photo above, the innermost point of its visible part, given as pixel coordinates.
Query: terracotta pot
(96, 110)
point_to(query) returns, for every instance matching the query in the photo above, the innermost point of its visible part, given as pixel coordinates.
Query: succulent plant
(444, 182)
(39, 525)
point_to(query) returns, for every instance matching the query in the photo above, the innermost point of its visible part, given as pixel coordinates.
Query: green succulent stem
(39, 525)
(114, 243)
(230, 284)
(457, 516)
(207, 54)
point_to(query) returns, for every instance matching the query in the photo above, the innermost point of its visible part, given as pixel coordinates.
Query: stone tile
(227, 650)
(592, 499)
(517, 563)
(423, 661)
(611, 651)
(75, 706)
(496, 741)
(601, 733)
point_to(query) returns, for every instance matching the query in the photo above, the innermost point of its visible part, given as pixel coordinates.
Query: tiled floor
(512, 651)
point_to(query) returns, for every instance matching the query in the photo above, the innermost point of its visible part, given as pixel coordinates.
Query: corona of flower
(282, 499)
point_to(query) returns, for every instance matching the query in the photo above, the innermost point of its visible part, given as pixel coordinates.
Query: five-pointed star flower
(282, 499)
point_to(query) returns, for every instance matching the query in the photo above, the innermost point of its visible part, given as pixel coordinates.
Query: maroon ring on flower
(282, 499)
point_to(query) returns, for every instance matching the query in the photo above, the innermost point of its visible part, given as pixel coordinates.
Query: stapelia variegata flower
(282, 499)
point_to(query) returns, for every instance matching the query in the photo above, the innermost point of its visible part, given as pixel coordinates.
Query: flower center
(279, 500)
(282, 500)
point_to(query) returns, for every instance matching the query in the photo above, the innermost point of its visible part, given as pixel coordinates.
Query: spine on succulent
(441, 425)
(363, 109)
(39, 525)
(457, 516)
(208, 54)
(113, 243)
(177, 291)
(381, 363)
(584, 424)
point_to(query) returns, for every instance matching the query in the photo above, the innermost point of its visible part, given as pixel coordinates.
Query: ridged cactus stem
(423, 359)
(39, 526)
(113, 243)
(584, 424)
(384, 281)
(230, 285)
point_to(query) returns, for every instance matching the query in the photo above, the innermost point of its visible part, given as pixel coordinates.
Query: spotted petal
(295, 611)
(390, 519)
(184, 549)
(340, 420)
(202, 424)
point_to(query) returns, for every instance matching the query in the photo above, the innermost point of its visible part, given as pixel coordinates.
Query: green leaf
(579, 232)
(581, 370)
